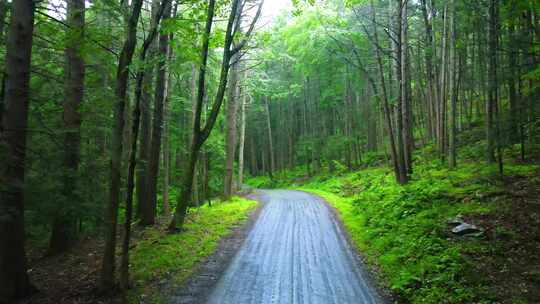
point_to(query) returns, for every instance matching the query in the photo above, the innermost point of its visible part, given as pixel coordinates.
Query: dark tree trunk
(148, 215)
(201, 135)
(231, 141)
(107, 280)
(146, 124)
(14, 282)
(492, 82)
(406, 89)
(65, 221)
(452, 149)
(124, 266)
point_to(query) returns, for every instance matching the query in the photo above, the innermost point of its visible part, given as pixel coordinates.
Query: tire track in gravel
(296, 253)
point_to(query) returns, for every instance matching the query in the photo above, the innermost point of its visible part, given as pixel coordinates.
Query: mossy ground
(158, 260)
(161, 257)
(403, 231)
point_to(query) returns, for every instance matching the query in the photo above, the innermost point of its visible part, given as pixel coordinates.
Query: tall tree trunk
(64, 222)
(399, 171)
(166, 152)
(230, 135)
(14, 282)
(429, 54)
(107, 280)
(148, 217)
(242, 139)
(401, 99)
(269, 132)
(441, 107)
(166, 136)
(452, 87)
(492, 82)
(146, 123)
(124, 265)
(512, 82)
(201, 135)
(406, 89)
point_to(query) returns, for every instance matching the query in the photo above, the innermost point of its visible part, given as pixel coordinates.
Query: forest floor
(159, 260)
(403, 231)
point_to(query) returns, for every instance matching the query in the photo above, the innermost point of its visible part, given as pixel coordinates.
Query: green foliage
(403, 230)
(161, 256)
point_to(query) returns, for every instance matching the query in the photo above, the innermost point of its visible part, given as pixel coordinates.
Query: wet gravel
(295, 253)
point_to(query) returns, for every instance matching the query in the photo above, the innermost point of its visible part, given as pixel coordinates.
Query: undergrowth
(403, 231)
(160, 256)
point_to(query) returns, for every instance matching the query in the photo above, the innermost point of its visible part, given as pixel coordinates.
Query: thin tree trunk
(441, 111)
(452, 88)
(429, 54)
(269, 132)
(166, 151)
(399, 171)
(406, 89)
(201, 135)
(155, 146)
(242, 137)
(492, 83)
(124, 266)
(107, 280)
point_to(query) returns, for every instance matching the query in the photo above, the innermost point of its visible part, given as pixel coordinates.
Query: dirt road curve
(296, 253)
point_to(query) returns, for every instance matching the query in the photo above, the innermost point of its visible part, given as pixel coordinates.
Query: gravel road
(295, 253)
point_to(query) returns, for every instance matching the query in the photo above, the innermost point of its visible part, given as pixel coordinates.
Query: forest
(146, 145)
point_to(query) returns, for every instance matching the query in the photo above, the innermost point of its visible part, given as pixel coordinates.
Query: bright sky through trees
(272, 8)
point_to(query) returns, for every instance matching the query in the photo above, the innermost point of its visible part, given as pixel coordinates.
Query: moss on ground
(160, 256)
(403, 231)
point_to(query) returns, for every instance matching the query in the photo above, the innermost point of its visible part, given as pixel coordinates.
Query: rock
(456, 221)
(465, 229)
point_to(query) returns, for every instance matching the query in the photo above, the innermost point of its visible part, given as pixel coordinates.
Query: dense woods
(343, 81)
(123, 116)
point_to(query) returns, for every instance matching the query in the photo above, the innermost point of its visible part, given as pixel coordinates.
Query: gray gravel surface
(295, 253)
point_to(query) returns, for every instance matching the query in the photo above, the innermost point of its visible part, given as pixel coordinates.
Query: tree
(155, 146)
(63, 225)
(452, 89)
(107, 280)
(164, 11)
(14, 282)
(231, 130)
(201, 135)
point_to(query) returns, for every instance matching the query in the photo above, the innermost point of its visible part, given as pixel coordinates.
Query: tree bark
(148, 217)
(492, 82)
(408, 140)
(230, 136)
(146, 123)
(107, 280)
(124, 266)
(242, 139)
(14, 281)
(399, 171)
(270, 140)
(452, 88)
(64, 222)
(201, 135)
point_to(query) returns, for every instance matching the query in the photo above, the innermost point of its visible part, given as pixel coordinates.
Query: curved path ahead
(296, 253)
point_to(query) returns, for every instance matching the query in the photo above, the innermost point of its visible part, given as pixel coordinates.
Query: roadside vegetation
(403, 232)
(160, 256)
(160, 261)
